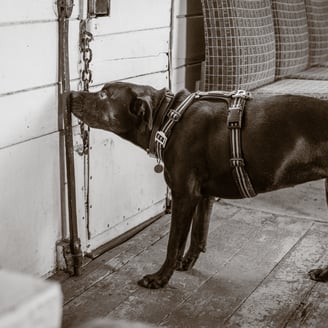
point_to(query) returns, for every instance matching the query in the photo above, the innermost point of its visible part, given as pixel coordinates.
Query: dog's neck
(141, 136)
(145, 137)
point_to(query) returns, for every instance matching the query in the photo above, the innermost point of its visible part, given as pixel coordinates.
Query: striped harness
(234, 122)
(236, 101)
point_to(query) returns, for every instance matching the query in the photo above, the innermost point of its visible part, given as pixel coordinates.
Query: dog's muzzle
(76, 103)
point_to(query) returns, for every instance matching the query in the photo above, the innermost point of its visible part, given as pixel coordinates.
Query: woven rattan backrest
(240, 44)
(292, 39)
(317, 16)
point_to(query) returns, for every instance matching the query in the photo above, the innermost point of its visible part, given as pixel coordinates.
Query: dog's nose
(74, 95)
(74, 98)
(74, 102)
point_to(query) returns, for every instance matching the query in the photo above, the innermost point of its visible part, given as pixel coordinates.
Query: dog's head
(118, 107)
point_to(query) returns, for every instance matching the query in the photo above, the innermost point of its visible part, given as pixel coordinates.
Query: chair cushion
(240, 45)
(292, 39)
(311, 88)
(313, 73)
(317, 16)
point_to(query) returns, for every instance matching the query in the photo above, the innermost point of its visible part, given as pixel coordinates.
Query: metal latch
(65, 7)
(242, 94)
(174, 115)
(98, 8)
(161, 138)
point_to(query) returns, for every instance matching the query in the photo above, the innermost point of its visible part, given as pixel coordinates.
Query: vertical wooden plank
(188, 46)
(188, 7)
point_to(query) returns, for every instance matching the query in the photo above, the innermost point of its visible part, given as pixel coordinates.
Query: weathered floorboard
(270, 239)
(254, 274)
(273, 302)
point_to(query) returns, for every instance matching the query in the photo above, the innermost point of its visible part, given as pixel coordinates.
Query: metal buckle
(174, 115)
(237, 162)
(234, 117)
(161, 138)
(241, 94)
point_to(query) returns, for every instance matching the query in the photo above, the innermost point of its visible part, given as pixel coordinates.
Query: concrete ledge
(29, 302)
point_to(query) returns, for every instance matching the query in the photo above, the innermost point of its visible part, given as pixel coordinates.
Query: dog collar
(159, 117)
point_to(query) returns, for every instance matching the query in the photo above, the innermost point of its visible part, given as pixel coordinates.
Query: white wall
(30, 206)
(130, 44)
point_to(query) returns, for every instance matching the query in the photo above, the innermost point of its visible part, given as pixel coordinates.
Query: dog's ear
(142, 107)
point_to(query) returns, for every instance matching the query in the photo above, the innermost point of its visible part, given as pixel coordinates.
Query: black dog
(284, 142)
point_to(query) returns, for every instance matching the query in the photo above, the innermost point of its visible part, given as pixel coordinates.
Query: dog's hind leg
(321, 274)
(199, 234)
(183, 207)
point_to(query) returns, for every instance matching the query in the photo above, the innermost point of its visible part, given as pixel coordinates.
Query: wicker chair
(269, 46)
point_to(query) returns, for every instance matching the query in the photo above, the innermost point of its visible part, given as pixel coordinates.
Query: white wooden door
(124, 191)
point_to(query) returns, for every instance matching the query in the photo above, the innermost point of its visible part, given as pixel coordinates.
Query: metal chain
(86, 74)
(85, 79)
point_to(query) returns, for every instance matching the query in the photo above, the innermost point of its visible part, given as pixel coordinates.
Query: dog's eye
(102, 95)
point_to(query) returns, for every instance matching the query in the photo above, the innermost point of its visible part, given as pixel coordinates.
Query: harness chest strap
(159, 137)
(174, 116)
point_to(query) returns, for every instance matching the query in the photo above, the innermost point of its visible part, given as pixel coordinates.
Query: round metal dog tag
(158, 168)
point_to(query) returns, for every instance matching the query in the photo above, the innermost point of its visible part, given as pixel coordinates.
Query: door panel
(124, 189)
(120, 187)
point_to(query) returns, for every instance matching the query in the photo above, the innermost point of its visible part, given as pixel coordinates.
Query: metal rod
(64, 12)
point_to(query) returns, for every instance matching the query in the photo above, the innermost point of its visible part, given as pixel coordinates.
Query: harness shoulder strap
(237, 162)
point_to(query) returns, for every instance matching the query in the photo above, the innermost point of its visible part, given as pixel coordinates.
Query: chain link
(86, 75)
(85, 38)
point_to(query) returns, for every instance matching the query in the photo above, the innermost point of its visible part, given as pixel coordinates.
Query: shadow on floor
(254, 273)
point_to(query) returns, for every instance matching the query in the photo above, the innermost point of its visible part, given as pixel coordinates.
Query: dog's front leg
(321, 274)
(200, 225)
(183, 207)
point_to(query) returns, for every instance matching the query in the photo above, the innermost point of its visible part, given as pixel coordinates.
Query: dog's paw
(152, 281)
(186, 263)
(319, 274)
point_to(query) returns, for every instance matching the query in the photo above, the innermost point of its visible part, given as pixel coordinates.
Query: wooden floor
(254, 273)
